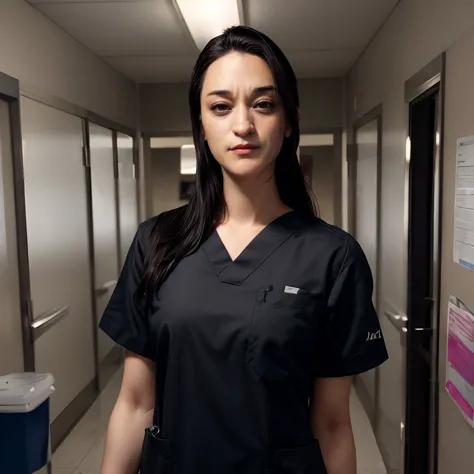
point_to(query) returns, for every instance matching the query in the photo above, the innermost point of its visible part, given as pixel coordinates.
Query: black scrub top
(238, 345)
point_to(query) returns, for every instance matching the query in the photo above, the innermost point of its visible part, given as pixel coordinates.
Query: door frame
(105, 368)
(431, 75)
(136, 174)
(370, 406)
(117, 198)
(10, 92)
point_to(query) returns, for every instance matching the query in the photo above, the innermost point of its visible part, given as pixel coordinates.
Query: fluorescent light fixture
(408, 149)
(207, 19)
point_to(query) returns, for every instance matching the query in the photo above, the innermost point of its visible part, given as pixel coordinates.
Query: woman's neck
(252, 202)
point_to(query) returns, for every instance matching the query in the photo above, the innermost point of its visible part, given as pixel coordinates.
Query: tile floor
(81, 452)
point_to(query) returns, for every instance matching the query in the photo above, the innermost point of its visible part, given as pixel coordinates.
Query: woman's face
(242, 117)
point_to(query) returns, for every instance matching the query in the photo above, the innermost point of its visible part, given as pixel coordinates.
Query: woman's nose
(243, 124)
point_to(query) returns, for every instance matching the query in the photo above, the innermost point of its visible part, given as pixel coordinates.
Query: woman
(244, 316)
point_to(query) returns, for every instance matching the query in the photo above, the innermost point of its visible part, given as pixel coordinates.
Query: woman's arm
(331, 422)
(132, 414)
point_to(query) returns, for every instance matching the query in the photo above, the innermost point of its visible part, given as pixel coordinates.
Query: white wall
(47, 60)
(164, 107)
(417, 32)
(320, 104)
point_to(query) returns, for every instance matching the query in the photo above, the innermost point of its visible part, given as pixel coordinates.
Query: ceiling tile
(163, 69)
(318, 24)
(123, 28)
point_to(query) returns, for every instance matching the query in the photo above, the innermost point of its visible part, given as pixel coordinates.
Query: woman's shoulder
(334, 236)
(162, 220)
(333, 241)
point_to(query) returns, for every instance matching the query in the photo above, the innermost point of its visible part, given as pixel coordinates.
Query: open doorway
(424, 239)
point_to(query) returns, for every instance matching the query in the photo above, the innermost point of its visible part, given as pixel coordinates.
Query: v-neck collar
(257, 251)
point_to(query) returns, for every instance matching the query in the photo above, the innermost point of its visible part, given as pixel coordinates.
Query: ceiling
(147, 40)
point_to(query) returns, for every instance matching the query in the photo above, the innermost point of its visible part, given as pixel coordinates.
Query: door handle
(106, 286)
(47, 320)
(398, 320)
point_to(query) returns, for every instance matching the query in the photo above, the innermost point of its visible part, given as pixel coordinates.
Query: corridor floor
(81, 452)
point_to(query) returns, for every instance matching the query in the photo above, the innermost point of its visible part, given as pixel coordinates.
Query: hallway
(98, 135)
(81, 452)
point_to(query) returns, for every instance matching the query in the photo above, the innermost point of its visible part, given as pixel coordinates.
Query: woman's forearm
(338, 449)
(125, 438)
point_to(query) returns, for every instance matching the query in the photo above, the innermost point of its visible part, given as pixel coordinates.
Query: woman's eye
(220, 108)
(265, 105)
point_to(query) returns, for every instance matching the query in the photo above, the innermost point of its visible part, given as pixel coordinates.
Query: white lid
(23, 392)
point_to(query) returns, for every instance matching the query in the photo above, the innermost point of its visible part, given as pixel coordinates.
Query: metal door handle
(47, 320)
(106, 286)
(398, 320)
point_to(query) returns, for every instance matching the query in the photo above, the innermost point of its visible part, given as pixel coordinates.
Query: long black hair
(181, 232)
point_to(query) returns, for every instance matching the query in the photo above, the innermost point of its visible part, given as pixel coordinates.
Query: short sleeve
(352, 342)
(124, 319)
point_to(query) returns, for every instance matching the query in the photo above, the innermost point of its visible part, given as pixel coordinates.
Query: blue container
(24, 440)
(24, 422)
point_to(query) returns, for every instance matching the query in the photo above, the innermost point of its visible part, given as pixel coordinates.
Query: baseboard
(69, 417)
(73, 413)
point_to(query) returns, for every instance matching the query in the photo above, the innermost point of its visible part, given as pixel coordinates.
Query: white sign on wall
(464, 204)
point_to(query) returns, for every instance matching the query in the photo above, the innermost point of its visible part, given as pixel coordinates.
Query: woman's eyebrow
(257, 90)
(262, 89)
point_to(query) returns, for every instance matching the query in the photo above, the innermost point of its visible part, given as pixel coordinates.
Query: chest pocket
(284, 333)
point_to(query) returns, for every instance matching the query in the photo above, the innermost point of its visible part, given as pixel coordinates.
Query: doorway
(365, 173)
(423, 276)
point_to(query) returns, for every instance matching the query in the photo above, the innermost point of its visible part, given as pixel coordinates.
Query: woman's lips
(244, 149)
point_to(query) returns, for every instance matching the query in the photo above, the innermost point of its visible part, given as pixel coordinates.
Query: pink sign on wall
(460, 355)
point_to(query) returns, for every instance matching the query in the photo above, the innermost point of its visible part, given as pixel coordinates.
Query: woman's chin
(246, 168)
